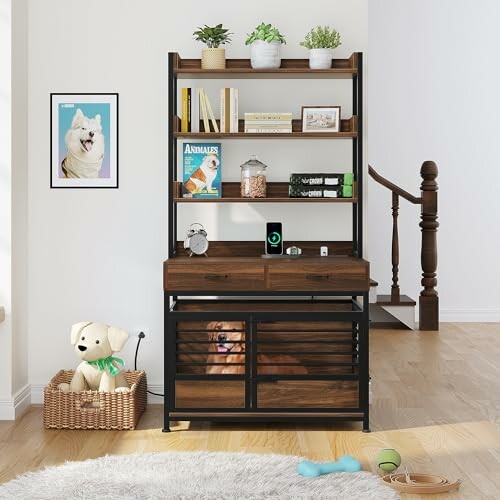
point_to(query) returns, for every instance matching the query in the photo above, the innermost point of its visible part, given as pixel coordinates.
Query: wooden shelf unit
(304, 310)
(277, 192)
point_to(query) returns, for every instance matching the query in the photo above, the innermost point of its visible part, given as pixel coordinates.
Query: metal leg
(166, 425)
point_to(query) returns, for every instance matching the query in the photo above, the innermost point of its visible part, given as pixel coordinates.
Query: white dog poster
(84, 141)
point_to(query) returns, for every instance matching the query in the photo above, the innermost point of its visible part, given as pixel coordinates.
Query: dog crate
(284, 360)
(94, 409)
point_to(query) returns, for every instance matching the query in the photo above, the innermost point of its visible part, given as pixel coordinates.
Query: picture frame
(84, 140)
(321, 118)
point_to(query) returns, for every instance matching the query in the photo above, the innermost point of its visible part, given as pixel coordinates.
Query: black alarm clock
(196, 242)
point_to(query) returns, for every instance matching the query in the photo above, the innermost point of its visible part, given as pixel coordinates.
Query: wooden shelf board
(277, 192)
(290, 68)
(404, 300)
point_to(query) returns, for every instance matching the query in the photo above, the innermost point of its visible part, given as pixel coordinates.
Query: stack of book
(196, 111)
(268, 123)
(321, 185)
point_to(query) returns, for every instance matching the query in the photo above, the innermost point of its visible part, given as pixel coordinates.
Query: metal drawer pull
(318, 277)
(216, 277)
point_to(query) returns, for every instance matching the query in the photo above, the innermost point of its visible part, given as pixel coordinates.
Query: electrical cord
(141, 336)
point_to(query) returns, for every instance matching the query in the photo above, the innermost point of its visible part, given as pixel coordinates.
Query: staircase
(396, 309)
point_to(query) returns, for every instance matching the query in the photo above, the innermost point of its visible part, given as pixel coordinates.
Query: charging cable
(141, 336)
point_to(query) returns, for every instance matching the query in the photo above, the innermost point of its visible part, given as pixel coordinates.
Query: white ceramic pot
(213, 58)
(265, 55)
(320, 58)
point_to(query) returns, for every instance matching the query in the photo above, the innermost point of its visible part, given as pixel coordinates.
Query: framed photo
(320, 118)
(83, 140)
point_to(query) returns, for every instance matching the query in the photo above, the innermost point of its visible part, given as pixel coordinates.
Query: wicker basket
(94, 409)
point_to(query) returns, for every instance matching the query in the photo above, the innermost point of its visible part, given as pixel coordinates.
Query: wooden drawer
(308, 394)
(210, 394)
(198, 275)
(330, 276)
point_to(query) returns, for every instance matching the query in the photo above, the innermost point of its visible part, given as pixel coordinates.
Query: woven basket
(213, 58)
(94, 409)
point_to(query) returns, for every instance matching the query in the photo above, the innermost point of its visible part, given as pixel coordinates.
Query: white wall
(97, 254)
(432, 95)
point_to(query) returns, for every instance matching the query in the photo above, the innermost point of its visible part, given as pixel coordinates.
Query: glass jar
(253, 179)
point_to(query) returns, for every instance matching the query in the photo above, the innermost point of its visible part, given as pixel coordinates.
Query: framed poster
(83, 140)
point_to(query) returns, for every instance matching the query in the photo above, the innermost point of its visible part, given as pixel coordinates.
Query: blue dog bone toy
(343, 464)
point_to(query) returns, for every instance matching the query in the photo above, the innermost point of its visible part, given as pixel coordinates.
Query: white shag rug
(191, 475)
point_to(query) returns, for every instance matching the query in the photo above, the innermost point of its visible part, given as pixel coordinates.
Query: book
(195, 110)
(268, 116)
(319, 191)
(210, 112)
(204, 113)
(321, 179)
(268, 130)
(185, 109)
(234, 110)
(267, 125)
(281, 123)
(201, 170)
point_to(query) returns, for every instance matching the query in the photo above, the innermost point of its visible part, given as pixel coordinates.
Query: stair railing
(428, 300)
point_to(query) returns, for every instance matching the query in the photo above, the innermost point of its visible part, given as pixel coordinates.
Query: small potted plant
(321, 41)
(265, 42)
(214, 56)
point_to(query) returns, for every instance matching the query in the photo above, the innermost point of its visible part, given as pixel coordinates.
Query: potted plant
(321, 41)
(265, 42)
(214, 56)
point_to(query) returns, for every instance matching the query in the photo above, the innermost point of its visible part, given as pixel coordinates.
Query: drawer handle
(216, 277)
(318, 277)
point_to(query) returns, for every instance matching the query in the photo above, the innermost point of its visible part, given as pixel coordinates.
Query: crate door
(210, 364)
(311, 364)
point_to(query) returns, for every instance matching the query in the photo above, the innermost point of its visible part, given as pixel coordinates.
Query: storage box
(94, 409)
(321, 179)
(320, 191)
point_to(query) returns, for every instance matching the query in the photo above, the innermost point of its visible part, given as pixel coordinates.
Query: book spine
(184, 110)
(203, 104)
(189, 109)
(268, 116)
(211, 113)
(265, 123)
(195, 110)
(227, 111)
(222, 110)
(268, 130)
(234, 111)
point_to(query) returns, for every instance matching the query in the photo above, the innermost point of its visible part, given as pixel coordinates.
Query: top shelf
(290, 68)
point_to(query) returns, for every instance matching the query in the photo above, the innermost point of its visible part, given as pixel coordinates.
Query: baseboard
(37, 394)
(10, 409)
(469, 315)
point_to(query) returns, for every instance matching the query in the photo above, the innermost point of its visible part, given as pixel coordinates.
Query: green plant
(266, 33)
(212, 36)
(322, 37)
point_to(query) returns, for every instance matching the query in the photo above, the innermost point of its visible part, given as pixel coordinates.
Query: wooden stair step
(404, 300)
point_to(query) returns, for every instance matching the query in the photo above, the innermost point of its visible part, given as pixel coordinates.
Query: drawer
(210, 394)
(321, 277)
(308, 394)
(199, 276)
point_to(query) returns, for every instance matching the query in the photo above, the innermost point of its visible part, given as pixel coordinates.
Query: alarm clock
(196, 242)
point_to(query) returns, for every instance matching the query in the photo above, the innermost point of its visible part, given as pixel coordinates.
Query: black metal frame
(358, 316)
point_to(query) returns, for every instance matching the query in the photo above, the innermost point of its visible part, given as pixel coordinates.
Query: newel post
(429, 300)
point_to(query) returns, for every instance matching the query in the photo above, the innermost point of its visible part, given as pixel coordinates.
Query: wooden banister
(429, 300)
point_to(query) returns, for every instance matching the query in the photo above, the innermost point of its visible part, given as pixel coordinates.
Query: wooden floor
(436, 399)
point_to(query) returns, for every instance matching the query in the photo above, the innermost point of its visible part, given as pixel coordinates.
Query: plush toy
(343, 464)
(388, 459)
(95, 344)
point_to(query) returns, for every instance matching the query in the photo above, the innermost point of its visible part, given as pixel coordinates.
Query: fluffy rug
(186, 475)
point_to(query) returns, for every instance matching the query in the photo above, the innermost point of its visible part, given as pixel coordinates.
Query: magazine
(201, 169)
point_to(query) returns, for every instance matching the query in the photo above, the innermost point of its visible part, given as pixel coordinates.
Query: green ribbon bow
(104, 363)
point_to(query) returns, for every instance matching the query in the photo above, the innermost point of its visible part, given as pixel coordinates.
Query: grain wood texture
(435, 399)
(290, 68)
(277, 192)
(210, 393)
(386, 300)
(348, 130)
(307, 394)
(256, 273)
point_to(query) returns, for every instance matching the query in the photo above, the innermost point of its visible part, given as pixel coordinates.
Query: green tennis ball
(388, 459)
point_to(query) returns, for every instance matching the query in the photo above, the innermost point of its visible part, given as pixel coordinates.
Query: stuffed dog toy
(95, 344)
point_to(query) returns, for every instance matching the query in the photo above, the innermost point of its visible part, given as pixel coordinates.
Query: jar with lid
(253, 179)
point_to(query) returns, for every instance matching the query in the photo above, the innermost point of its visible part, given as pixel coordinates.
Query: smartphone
(274, 238)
